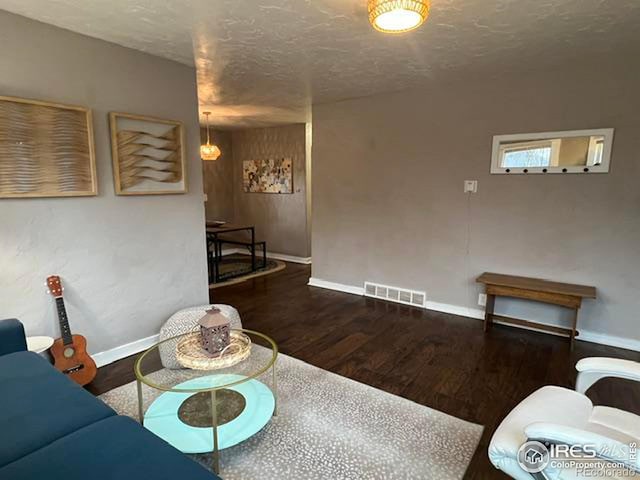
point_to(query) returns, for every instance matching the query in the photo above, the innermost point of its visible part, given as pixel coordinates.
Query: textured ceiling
(266, 61)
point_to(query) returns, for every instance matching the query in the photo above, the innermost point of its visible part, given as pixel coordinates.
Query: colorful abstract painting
(268, 176)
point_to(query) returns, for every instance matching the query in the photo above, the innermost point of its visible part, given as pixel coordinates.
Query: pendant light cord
(208, 140)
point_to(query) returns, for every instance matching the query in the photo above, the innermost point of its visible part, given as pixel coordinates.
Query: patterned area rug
(236, 268)
(331, 427)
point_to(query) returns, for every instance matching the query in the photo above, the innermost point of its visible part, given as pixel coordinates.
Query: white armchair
(559, 416)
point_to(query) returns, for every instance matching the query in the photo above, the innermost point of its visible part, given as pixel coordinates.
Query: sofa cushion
(12, 335)
(116, 448)
(39, 405)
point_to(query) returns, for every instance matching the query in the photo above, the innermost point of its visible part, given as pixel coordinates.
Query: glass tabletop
(197, 371)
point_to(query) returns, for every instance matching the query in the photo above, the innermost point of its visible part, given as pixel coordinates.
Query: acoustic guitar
(69, 352)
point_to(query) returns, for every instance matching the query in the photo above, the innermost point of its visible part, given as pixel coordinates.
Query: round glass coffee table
(200, 411)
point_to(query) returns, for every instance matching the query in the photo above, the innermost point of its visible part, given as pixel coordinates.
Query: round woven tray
(191, 354)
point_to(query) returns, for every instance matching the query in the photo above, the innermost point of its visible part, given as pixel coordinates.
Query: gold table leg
(140, 405)
(275, 390)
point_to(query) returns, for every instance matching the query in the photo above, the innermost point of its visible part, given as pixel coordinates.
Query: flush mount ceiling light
(208, 151)
(397, 16)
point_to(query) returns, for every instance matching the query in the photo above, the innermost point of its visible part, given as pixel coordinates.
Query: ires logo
(561, 452)
(535, 456)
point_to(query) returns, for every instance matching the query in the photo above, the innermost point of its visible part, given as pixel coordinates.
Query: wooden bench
(563, 294)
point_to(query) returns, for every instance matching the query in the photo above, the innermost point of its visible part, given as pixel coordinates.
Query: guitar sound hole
(69, 352)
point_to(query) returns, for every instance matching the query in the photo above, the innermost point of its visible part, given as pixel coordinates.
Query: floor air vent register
(394, 294)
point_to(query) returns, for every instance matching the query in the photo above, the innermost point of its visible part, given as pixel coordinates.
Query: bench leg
(263, 264)
(253, 250)
(488, 313)
(211, 259)
(209, 262)
(574, 325)
(218, 258)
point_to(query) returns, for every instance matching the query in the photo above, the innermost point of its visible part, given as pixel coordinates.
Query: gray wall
(280, 219)
(218, 178)
(389, 205)
(127, 262)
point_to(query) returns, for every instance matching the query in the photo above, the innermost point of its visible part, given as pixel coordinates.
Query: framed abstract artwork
(268, 176)
(46, 150)
(148, 155)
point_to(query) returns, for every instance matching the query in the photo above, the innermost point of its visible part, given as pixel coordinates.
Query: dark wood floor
(439, 360)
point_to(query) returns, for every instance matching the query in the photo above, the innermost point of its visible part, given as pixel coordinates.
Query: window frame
(553, 144)
(543, 139)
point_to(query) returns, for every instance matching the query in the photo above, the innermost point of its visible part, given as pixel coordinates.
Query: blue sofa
(52, 428)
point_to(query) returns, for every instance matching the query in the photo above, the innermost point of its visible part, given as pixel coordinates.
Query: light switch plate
(470, 186)
(482, 299)
(206, 197)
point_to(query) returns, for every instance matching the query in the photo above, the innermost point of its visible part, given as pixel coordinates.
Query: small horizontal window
(530, 157)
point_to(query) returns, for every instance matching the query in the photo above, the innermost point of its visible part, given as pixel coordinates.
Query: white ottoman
(185, 321)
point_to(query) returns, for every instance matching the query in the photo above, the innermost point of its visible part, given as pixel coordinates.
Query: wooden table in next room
(562, 294)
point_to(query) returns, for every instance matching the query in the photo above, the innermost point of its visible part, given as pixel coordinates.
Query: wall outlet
(206, 197)
(482, 299)
(470, 186)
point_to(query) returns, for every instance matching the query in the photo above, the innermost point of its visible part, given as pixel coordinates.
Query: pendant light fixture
(397, 16)
(208, 151)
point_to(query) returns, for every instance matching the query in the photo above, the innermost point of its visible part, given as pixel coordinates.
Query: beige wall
(127, 262)
(218, 178)
(389, 205)
(280, 219)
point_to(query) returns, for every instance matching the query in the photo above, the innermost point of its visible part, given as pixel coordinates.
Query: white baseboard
(289, 258)
(277, 256)
(455, 310)
(340, 287)
(610, 340)
(137, 346)
(585, 335)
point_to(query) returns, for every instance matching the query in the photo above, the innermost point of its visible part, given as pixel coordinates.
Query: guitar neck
(65, 330)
